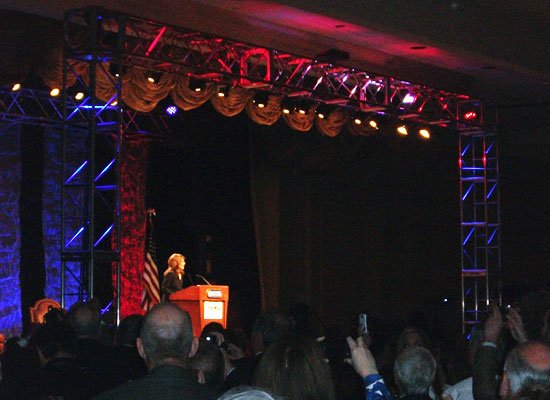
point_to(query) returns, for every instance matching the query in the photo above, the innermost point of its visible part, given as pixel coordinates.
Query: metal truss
(91, 172)
(38, 107)
(168, 49)
(30, 106)
(480, 224)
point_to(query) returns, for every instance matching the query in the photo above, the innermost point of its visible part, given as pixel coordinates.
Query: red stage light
(470, 115)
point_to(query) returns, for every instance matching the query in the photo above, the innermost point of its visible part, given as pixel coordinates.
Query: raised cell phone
(363, 326)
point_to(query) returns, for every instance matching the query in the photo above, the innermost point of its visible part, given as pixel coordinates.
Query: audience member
(411, 337)
(247, 393)
(534, 393)
(485, 371)
(415, 370)
(294, 367)
(166, 343)
(208, 364)
(132, 365)
(535, 315)
(526, 370)
(61, 376)
(462, 390)
(99, 360)
(416, 337)
(268, 327)
(20, 365)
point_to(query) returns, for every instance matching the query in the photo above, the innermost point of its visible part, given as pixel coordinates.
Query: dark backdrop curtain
(351, 224)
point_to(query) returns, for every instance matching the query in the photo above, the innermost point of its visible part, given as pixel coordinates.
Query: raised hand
(493, 324)
(515, 324)
(361, 358)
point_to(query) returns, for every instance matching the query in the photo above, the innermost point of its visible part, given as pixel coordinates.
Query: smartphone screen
(363, 327)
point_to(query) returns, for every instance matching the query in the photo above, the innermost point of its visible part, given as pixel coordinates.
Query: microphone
(204, 279)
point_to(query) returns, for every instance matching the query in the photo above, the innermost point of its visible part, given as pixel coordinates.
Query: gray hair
(166, 333)
(415, 370)
(246, 393)
(523, 375)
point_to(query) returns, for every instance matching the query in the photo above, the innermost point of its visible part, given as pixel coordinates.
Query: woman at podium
(173, 276)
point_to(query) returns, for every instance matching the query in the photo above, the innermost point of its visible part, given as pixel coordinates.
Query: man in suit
(166, 343)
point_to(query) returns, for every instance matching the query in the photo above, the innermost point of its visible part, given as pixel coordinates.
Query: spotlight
(402, 130)
(260, 99)
(117, 69)
(223, 91)
(373, 123)
(54, 92)
(171, 110)
(409, 98)
(79, 96)
(153, 76)
(114, 103)
(287, 105)
(303, 106)
(196, 84)
(425, 133)
(357, 120)
(470, 115)
(16, 87)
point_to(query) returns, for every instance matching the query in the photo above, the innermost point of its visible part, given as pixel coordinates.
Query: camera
(212, 338)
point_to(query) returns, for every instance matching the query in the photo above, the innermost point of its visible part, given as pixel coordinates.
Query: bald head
(166, 336)
(528, 365)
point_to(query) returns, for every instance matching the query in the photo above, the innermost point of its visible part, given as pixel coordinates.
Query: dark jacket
(171, 284)
(166, 382)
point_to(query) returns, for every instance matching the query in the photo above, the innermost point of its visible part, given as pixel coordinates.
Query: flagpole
(151, 289)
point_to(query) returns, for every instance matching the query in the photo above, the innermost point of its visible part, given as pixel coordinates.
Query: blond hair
(173, 261)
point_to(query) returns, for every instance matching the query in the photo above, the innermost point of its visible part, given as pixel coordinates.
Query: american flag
(151, 287)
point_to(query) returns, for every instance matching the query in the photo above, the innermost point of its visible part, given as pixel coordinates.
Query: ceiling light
(223, 91)
(425, 133)
(153, 76)
(402, 130)
(196, 84)
(260, 99)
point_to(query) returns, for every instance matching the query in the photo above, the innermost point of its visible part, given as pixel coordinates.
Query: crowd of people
(74, 355)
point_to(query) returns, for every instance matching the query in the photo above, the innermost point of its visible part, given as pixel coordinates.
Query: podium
(204, 303)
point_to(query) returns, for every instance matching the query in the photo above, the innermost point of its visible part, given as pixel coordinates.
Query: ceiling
(495, 50)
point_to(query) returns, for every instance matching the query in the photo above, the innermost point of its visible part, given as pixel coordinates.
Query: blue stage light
(171, 110)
